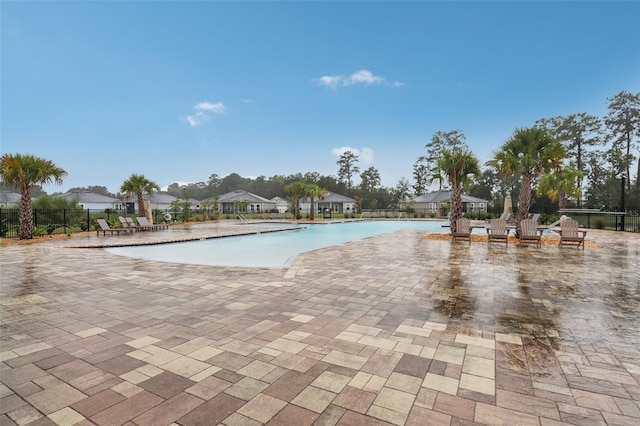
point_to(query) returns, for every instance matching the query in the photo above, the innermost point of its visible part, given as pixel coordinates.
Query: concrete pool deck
(394, 329)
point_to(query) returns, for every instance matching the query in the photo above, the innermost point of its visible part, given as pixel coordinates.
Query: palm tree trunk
(562, 200)
(524, 201)
(26, 215)
(142, 211)
(312, 215)
(456, 206)
(297, 208)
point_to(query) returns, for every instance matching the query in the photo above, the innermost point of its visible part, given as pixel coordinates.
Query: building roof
(83, 196)
(159, 198)
(8, 197)
(331, 197)
(242, 195)
(439, 196)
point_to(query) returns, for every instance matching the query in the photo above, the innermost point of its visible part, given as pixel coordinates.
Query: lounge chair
(529, 232)
(570, 234)
(497, 231)
(143, 222)
(133, 225)
(505, 216)
(127, 223)
(462, 230)
(104, 228)
(535, 217)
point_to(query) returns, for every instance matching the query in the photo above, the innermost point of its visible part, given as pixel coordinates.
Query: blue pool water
(268, 250)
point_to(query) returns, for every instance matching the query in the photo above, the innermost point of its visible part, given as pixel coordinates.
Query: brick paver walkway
(394, 329)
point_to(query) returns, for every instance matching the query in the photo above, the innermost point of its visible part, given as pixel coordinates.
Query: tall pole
(623, 208)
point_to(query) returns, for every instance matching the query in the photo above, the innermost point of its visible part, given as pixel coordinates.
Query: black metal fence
(61, 221)
(615, 221)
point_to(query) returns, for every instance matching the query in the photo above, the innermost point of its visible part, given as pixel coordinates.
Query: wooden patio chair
(497, 231)
(570, 234)
(529, 233)
(462, 230)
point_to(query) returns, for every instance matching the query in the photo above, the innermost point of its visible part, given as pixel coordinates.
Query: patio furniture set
(129, 226)
(528, 231)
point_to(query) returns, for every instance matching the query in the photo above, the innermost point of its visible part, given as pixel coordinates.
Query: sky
(179, 90)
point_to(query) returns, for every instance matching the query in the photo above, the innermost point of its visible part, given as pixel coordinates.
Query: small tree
(530, 152)
(623, 122)
(441, 142)
(457, 166)
(560, 185)
(296, 190)
(313, 192)
(22, 172)
(139, 185)
(183, 204)
(347, 168)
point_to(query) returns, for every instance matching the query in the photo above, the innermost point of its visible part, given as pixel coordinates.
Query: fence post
(88, 219)
(64, 220)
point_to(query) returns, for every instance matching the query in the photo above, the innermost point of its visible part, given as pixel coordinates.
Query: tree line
(595, 159)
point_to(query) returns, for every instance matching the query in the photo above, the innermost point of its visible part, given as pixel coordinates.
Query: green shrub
(51, 228)
(598, 224)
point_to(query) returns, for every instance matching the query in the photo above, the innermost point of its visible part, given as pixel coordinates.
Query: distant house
(91, 200)
(9, 199)
(437, 202)
(332, 202)
(241, 201)
(159, 201)
(281, 204)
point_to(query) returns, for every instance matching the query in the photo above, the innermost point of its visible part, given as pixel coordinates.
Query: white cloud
(204, 111)
(365, 155)
(217, 108)
(364, 77)
(331, 81)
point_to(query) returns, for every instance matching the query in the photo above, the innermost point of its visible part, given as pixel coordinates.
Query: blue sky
(179, 91)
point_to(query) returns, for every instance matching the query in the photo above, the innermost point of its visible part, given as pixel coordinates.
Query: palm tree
(139, 185)
(313, 192)
(456, 166)
(297, 190)
(530, 152)
(22, 172)
(559, 185)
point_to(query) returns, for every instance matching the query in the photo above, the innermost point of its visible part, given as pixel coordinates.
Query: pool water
(269, 250)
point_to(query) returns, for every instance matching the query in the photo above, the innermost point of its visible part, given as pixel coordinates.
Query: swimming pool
(268, 250)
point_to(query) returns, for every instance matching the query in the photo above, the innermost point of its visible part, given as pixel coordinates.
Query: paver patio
(395, 329)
